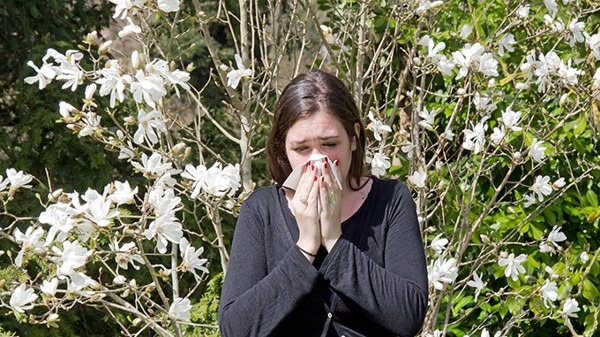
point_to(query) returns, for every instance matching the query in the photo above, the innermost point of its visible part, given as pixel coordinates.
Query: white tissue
(294, 178)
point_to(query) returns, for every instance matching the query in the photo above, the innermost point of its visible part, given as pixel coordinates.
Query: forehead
(319, 125)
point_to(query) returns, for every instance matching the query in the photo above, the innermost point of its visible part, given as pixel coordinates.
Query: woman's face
(320, 133)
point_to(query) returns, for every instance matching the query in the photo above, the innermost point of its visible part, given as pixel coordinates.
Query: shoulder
(262, 198)
(390, 187)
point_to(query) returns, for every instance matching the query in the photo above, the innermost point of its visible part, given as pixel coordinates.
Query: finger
(305, 184)
(329, 176)
(313, 193)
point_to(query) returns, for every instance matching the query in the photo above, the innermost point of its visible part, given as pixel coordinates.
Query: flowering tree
(490, 117)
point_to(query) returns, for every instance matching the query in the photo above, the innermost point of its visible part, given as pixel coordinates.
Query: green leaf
(514, 306)
(590, 291)
(461, 303)
(580, 127)
(592, 198)
(550, 217)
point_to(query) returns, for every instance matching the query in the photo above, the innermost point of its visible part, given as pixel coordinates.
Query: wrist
(329, 243)
(309, 248)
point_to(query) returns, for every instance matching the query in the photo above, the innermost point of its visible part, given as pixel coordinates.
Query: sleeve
(254, 302)
(395, 296)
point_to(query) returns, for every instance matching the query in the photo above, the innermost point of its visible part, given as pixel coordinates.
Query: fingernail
(322, 178)
(316, 178)
(313, 167)
(307, 164)
(337, 162)
(325, 165)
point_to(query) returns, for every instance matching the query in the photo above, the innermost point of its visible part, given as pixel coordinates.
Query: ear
(356, 137)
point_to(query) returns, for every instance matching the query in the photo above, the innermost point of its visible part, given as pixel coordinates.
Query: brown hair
(304, 96)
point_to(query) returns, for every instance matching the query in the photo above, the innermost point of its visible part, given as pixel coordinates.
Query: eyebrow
(295, 142)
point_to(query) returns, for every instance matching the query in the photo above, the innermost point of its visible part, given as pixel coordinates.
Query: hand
(330, 196)
(304, 207)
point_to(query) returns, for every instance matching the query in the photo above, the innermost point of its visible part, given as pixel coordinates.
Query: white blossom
(555, 23)
(475, 139)
(153, 166)
(486, 333)
(22, 298)
(165, 228)
(465, 31)
(3, 183)
(537, 151)
(147, 88)
(498, 135)
(58, 216)
(191, 258)
(72, 256)
(551, 6)
(484, 104)
(558, 184)
(168, 6)
(428, 118)
(523, 11)
(377, 126)
(148, 123)
(49, 287)
(432, 48)
(65, 109)
(112, 82)
(593, 43)
(222, 180)
(436, 333)
(511, 119)
(418, 178)
(551, 272)
(438, 244)
(556, 236)
(125, 255)
(529, 200)
(89, 124)
(549, 292)
(513, 265)
(576, 28)
(123, 7)
(234, 76)
(545, 247)
(570, 307)
(448, 135)
(477, 283)
(122, 194)
(467, 57)
(177, 77)
(180, 309)
(43, 76)
(445, 65)
(131, 28)
(90, 90)
(99, 211)
(380, 163)
(506, 42)
(30, 240)
(18, 179)
(584, 257)
(119, 280)
(442, 271)
(196, 174)
(164, 201)
(488, 65)
(541, 187)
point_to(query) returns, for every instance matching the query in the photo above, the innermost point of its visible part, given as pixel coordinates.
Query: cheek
(295, 159)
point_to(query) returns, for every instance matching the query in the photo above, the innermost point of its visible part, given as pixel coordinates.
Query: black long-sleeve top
(373, 282)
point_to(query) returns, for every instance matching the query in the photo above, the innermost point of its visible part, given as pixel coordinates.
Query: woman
(322, 260)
